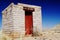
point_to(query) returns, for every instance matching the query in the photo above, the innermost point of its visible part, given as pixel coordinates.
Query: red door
(28, 24)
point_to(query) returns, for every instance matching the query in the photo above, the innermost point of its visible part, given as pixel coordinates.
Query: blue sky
(50, 10)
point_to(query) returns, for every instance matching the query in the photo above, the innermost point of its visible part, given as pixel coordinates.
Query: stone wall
(18, 19)
(37, 20)
(13, 19)
(7, 21)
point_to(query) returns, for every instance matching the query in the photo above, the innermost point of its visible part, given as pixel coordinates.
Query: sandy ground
(47, 35)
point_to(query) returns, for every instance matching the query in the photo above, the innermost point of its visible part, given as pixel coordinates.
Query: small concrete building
(21, 20)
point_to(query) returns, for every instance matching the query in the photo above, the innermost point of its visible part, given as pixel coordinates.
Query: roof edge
(7, 7)
(21, 4)
(29, 5)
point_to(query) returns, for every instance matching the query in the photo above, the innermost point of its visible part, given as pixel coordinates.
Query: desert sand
(48, 34)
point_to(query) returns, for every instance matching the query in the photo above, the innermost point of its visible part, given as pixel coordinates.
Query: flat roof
(22, 4)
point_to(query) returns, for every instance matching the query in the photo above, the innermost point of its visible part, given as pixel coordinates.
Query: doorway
(28, 21)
